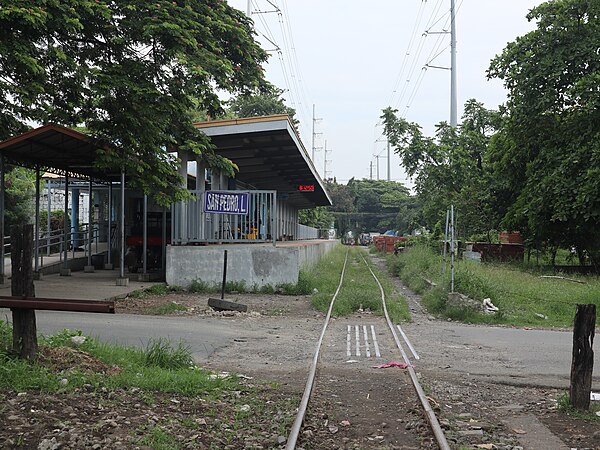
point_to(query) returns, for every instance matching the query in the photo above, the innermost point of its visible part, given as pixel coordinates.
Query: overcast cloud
(351, 61)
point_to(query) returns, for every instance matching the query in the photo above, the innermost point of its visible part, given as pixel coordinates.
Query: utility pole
(377, 158)
(453, 100)
(370, 171)
(389, 177)
(325, 160)
(314, 134)
(249, 8)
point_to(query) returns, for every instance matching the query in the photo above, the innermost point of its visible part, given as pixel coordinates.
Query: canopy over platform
(270, 156)
(58, 150)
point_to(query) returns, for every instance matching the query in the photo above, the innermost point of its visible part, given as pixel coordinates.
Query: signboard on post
(226, 202)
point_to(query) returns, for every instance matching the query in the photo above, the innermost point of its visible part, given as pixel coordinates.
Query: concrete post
(2, 190)
(122, 280)
(90, 268)
(36, 236)
(75, 218)
(201, 188)
(183, 173)
(49, 218)
(109, 265)
(145, 238)
(65, 271)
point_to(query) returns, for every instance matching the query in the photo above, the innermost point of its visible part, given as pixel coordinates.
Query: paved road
(203, 335)
(509, 355)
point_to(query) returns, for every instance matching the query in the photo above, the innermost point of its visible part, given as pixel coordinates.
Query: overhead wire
(292, 60)
(434, 19)
(294, 91)
(408, 51)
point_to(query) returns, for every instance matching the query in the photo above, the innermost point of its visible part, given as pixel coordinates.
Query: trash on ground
(488, 306)
(351, 361)
(541, 316)
(594, 396)
(563, 278)
(393, 364)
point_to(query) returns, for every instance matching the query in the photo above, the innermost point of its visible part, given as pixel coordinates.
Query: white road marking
(375, 344)
(357, 330)
(367, 347)
(348, 342)
(413, 351)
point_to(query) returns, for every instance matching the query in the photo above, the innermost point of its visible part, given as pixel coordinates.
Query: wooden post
(582, 364)
(24, 326)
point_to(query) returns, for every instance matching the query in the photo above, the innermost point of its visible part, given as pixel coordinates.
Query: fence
(191, 224)
(263, 222)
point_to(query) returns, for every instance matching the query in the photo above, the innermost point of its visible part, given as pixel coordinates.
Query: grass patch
(359, 291)
(524, 298)
(159, 439)
(168, 308)
(160, 366)
(157, 289)
(161, 353)
(303, 287)
(564, 406)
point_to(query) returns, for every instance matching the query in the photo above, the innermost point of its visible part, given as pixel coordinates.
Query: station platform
(256, 265)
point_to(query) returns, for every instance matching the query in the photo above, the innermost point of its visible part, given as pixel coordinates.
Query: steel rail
(429, 413)
(295, 431)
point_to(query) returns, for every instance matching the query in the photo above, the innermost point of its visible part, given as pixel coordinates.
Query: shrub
(161, 353)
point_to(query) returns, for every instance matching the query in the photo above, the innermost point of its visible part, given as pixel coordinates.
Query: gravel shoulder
(355, 405)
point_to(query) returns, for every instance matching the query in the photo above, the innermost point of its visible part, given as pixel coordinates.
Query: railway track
(363, 341)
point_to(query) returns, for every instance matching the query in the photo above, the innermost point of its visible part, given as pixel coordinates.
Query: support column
(122, 280)
(2, 190)
(36, 250)
(90, 268)
(49, 218)
(201, 188)
(183, 222)
(65, 271)
(273, 214)
(145, 238)
(109, 265)
(75, 218)
(163, 256)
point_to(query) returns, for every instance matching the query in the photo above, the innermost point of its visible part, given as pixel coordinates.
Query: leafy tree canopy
(549, 149)
(133, 72)
(263, 101)
(450, 168)
(371, 205)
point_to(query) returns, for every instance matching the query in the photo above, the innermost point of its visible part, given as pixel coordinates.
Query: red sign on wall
(306, 187)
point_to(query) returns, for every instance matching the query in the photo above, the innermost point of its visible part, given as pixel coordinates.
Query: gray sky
(349, 58)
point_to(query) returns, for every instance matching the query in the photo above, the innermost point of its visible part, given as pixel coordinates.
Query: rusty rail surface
(58, 304)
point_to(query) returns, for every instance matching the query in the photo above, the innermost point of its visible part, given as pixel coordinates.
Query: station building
(253, 216)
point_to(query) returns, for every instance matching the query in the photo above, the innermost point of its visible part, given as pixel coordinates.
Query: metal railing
(54, 242)
(190, 224)
(306, 232)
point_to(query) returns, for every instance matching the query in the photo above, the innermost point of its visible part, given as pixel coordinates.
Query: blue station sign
(226, 202)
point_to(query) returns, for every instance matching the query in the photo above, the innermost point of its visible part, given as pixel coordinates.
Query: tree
(19, 184)
(319, 217)
(450, 168)
(132, 72)
(263, 101)
(370, 205)
(549, 150)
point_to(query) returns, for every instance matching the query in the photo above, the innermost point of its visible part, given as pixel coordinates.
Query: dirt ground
(355, 406)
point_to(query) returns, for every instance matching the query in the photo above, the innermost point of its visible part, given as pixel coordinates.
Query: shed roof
(270, 156)
(56, 149)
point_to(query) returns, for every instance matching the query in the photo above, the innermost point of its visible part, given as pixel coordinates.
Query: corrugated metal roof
(270, 155)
